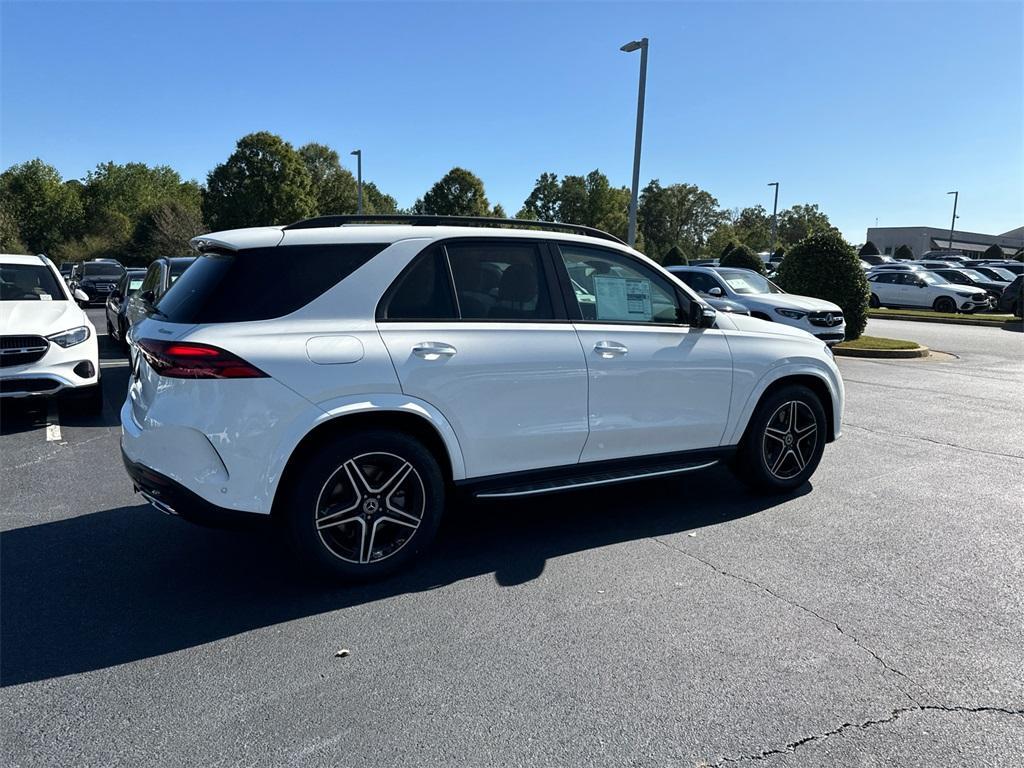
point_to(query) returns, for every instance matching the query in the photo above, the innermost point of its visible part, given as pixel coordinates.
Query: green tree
(499, 212)
(10, 239)
(798, 222)
(679, 214)
(826, 267)
(263, 182)
(334, 189)
(731, 246)
(543, 201)
(126, 192)
(45, 212)
(753, 226)
(904, 252)
(375, 201)
(674, 257)
(458, 193)
(869, 249)
(993, 252)
(743, 257)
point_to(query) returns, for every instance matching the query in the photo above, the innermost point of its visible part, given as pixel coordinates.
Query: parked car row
(945, 286)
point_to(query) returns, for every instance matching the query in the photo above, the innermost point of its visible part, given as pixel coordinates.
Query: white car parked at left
(47, 343)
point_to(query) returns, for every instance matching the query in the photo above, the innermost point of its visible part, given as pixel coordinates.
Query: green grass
(895, 314)
(877, 342)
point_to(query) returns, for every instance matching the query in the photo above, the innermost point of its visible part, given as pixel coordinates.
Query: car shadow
(22, 415)
(124, 584)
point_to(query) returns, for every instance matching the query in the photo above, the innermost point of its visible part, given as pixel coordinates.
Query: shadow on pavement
(125, 584)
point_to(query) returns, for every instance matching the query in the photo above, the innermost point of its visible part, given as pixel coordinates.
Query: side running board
(589, 480)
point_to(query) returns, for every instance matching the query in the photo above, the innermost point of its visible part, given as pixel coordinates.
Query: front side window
(499, 281)
(152, 279)
(699, 281)
(613, 288)
(29, 282)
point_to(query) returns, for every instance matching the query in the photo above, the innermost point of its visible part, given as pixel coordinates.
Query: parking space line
(52, 422)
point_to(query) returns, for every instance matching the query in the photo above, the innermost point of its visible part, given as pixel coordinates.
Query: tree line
(136, 212)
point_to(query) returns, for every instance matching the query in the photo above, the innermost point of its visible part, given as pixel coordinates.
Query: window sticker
(45, 297)
(627, 299)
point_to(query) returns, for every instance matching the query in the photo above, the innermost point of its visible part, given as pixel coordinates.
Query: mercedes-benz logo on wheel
(370, 506)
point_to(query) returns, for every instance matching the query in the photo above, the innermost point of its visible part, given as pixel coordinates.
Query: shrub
(869, 249)
(826, 267)
(729, 248)
(903, 252)
(674, 258)
(993, 252)
(741, 256)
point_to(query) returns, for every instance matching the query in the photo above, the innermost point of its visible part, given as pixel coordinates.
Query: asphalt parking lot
(875, 618)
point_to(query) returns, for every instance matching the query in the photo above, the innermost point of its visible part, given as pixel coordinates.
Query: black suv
(97, 278)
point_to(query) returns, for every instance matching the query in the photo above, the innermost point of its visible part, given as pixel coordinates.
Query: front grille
(26, 386)
(18, 350)
(826, 319)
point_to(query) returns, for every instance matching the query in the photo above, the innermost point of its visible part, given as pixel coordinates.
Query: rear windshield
(102, 270)
(260, 283)
(29, 282)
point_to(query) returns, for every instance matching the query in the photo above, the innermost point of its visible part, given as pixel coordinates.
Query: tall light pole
(640, 45)
(952, 224)
(359, 177)
(775, 212)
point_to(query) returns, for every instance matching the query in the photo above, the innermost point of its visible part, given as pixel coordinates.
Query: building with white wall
(924, 239)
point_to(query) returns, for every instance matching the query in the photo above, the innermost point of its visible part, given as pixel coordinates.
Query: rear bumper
(172, 498)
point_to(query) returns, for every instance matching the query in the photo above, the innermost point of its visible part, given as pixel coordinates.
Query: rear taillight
(188, 360)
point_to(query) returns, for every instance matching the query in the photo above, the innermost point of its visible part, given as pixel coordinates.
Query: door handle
(433, 350)
(610, 349)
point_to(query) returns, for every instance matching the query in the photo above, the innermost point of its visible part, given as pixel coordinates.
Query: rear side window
(260, 283)
(424, 292)
(500, 281)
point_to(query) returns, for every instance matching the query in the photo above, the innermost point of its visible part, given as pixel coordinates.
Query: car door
(656, 384)
(476, 328)
(138, 306)
(885, 287)
(913, 292)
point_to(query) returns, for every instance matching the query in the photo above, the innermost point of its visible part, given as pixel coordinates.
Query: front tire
(784, 441)
(873, 302)
(365, 505)
(945, 304)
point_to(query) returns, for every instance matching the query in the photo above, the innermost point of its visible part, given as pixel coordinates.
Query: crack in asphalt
(895, 715)
(934, 442)
(804, 608)
(64, 445)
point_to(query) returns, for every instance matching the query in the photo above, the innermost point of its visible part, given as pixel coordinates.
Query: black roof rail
(450, 221)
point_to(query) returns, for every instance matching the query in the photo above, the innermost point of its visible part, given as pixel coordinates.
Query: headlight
(793, 314)
(70, 338)
(965, 294)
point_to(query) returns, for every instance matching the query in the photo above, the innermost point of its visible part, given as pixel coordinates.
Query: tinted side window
(699, 281)
(152, 279)
(613, 288)
(500, 281)
(423, 292)
(261, 283)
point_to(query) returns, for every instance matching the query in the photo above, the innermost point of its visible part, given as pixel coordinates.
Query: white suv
(47, 343)
(764, 299)
(924, 289)
(343, 377)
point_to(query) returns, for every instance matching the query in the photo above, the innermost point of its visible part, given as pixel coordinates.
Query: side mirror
(701, 316)
(716, 292)
(80, 296)
(921, 283)
(148, 296)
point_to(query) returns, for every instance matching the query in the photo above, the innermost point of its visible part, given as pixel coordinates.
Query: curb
(882, 354)
(947, 320)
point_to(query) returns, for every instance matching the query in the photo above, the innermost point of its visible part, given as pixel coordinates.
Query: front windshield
(999, 274)
(103, 270)
(29, 282)
(932, 279)
(974, 275)
(747, 282)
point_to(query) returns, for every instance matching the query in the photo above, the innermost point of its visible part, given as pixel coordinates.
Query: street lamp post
(952, 224)
(775, 212)
(359, 177)
(640, 45)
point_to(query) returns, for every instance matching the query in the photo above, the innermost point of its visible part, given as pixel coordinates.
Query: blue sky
(870, 109)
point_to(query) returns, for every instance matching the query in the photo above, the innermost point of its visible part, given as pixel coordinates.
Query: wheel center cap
(789, 439)
(370, 506)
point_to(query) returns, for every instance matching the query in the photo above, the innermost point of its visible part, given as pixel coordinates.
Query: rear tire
(944, 304)
(784, 441)
(365, 505)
